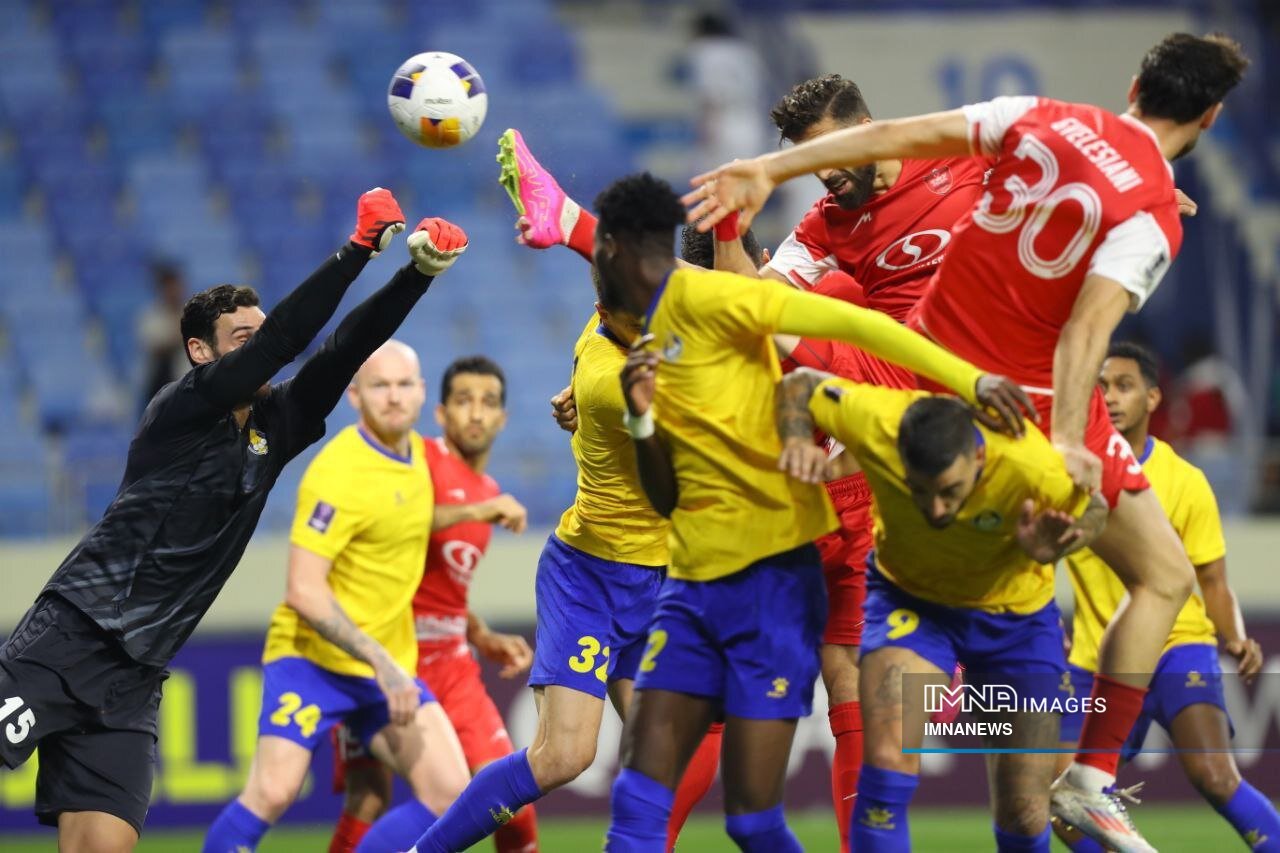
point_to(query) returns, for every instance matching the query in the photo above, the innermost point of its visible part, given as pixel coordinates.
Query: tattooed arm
(308, 592)
(801, 457)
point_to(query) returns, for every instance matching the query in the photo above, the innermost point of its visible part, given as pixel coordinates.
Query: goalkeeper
(83, 669)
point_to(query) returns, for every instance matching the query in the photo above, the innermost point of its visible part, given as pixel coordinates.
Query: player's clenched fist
(565, 410)
(507, 511)
(378, 219)
(638, 377)
(435, 244)
(1083, 466)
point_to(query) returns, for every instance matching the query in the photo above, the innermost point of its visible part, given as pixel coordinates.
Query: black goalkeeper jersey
(196, 482)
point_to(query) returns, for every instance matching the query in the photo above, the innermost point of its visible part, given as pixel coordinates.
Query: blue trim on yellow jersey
(657, 295)
(603, 331)
(1146, 450)
(979, 443)
(368, 439)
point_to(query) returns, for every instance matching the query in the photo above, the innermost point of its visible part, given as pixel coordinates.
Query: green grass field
(1172, 829)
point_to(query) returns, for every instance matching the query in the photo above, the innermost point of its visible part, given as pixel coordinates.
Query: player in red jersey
(1077, 226)
(875, 240)
(471, 413)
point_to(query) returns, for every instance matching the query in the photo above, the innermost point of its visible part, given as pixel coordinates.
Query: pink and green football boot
(548, 217)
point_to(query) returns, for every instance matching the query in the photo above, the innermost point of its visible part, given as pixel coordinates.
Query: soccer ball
(437, 99)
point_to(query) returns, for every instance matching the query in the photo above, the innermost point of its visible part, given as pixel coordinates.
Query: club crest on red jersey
(939, 180)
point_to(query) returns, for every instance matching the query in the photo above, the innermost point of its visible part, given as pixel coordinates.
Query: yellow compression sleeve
(812, 316)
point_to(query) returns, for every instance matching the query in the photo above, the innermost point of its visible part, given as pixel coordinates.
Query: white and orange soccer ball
(437, 99)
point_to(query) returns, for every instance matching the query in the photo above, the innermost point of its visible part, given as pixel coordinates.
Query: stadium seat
(110, 61)
(136, 125)
(545, 55)
(171, 15)
(26, 506)
(94, 457)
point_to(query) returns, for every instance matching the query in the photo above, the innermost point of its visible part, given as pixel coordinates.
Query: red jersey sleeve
(807, 254)
(990, 120)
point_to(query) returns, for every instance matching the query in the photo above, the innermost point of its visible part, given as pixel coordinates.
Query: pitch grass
(1172, 829)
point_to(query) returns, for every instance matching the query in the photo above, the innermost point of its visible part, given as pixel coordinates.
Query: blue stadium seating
(232, 140)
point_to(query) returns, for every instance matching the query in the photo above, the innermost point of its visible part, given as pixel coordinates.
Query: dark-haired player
(1077, 226)
(1186, 690)
(875, 239)
(471, 413)
(968, 525)
(739, 616)
(82, 672)
(597, 584)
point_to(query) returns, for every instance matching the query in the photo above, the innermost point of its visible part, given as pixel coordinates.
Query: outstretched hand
(743, 185)
(378, 219)
(1045, 535)
(435, 244)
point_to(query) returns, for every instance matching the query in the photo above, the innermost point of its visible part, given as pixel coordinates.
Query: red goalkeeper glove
(435, 244)
(378, 219)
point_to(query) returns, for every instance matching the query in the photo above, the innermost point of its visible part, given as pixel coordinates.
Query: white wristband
(640, 427)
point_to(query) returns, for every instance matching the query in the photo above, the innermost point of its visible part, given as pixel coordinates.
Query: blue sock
(1254, 817)
(234, 829)
(492, 798)
(1087, 845)
(762, 832)
(638, 814)
(880, 815)
(397, 829)
(1007, 842)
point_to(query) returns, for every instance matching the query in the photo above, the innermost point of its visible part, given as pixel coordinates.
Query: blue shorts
(749, 640)
(1023, 650)
(593, 617)
(302, 701)
(1185, 675)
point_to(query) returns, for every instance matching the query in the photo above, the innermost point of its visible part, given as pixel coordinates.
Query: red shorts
(453, 675)
(1121, 470)
(844, 560)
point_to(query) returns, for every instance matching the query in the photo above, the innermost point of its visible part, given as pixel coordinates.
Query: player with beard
(739, 617)
(875, 239)
(471, 412)
(968, 526)
(1078, 226)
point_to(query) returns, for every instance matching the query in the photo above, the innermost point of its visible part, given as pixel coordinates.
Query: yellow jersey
(369, 511)
(611, 517)
(714, 410)
(974, 562)
(1187, 499)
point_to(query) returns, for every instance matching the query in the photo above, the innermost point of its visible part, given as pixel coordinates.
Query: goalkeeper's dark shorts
(68, 691)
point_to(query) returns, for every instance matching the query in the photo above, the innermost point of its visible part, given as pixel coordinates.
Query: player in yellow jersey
(341, 648)
(1185, 696)
(597, 584)
(740, 615)
(968, 522)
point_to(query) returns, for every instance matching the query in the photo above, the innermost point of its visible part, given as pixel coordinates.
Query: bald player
(341, 648)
